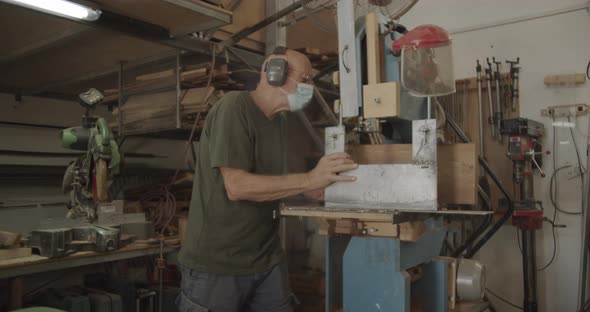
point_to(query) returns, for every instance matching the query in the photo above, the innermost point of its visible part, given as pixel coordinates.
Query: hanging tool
(514, 71)
(490, 101)
(483, 181)
(499, 115)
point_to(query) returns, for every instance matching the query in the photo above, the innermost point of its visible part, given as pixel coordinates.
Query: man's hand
(326, 172)
(317, 195)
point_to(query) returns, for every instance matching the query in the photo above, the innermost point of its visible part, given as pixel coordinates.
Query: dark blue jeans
(210, 292)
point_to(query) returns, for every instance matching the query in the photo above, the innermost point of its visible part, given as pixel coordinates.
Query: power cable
(554, 193)
(588, 70)
(504, 300)
(554, 254)
(582, 169)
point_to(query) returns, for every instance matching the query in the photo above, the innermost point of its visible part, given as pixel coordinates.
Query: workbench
(378, 215)
(37, 264)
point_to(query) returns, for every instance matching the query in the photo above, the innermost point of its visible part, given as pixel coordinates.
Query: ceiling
(43, 54)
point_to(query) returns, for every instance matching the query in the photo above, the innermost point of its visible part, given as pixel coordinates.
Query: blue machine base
(369, 273)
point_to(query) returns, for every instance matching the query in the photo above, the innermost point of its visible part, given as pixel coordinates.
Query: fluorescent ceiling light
(61, 8)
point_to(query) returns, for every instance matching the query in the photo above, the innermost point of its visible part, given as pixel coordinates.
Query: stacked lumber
(158, 110)
(150, 101)
(190, 76)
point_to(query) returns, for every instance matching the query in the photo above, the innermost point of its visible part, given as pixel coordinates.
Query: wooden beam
(457, 167)
(373, 55)
(364, 216)
(15, 253)
(407, 231)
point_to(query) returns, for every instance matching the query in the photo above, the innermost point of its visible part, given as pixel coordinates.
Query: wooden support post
(16, 294)
(373, 49)
(452, 280)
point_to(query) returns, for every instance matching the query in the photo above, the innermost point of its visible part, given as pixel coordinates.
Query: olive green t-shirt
(224, 236)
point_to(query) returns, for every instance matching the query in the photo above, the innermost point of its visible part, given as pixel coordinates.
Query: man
(232, 259)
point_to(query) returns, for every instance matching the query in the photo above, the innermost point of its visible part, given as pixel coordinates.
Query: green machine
(86, 178)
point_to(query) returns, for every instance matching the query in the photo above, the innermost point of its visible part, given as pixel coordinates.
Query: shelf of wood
(37, 264)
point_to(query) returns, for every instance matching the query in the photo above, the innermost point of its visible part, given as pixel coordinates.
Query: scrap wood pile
(157, 110)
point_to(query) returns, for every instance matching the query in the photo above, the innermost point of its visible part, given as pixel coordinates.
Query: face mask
(301, 97)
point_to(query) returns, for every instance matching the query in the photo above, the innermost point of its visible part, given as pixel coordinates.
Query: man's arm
(243, 185)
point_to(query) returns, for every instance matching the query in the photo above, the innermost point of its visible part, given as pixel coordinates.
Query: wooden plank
(187, 75)
(364, 216)
(381, 229)
(407, 231)
(564, 79)
(451, 279)
(468, 119)
(14, 253)
(346, 227)
(246, 14)
(457, 174)
(373, 52)
(35, 259)
(457, 167)
(193, 74)
(411, 231)
(156, 75)
(248, 42)
(195, 96)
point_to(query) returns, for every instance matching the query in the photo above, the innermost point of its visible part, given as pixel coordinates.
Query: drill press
(525, 152)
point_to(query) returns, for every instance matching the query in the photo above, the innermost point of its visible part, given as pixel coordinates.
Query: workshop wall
(549, 43)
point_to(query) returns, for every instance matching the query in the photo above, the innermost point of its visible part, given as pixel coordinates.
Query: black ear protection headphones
(277, 69)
